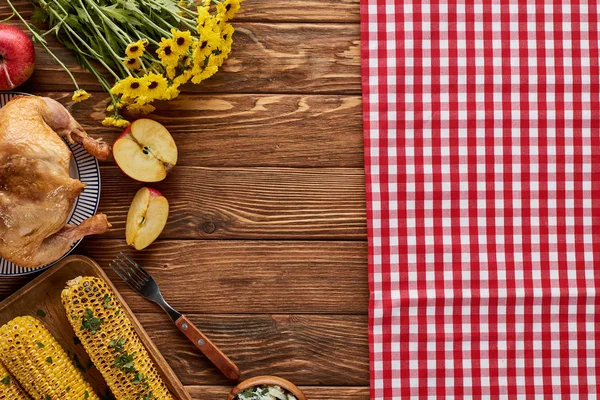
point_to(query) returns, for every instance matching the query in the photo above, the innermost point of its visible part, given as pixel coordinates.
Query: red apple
(147, 218)
(145, 151)
(17, 57)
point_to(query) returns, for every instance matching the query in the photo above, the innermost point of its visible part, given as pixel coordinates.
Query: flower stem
(118, 60)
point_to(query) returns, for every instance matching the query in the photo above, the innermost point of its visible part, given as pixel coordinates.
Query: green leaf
(40, 313)
(6, 380)
(90, 322)
(161, 5)
(39, 16)
(118, 14)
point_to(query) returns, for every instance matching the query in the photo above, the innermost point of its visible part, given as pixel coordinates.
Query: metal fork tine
(118, 271)
(137, 266)
(133, 282)
(135, 270)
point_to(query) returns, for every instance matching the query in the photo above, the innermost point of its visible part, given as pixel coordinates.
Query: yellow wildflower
(168, 57)
(183, 78)
(209, 70)
(186, 60)
(125, 99)
(132, 64)
(210, 39)
(115, 106)
(80, 95)
(116, 120)
(135, 50)
(182, 40)
(130, 87)
(172, 92)
(141, 100)
(203, 17)
(140, 108)
(226, 42)
(206, 3)
(228, 9)
(156, 85)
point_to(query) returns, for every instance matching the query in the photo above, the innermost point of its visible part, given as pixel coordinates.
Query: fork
(144, 284)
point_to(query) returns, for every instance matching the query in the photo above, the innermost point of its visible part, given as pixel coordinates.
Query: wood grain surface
(244, 203)
(305, 349)
(267, 227)
(249, 130)
(304, 277)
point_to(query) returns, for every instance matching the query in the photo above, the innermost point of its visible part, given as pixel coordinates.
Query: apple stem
(5, 69)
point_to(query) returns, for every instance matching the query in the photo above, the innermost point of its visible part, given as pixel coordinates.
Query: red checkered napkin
(482, 153)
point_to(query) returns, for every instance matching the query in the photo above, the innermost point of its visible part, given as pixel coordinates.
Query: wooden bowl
(267, 381)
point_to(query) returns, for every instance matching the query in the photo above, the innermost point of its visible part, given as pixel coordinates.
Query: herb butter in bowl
(266, 388)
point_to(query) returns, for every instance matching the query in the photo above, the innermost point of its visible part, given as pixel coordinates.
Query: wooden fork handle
(218, 358)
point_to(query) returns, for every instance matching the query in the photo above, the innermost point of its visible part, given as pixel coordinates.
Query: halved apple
(145, 151)
(147, 218)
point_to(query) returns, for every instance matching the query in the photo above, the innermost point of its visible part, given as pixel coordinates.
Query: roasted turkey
(36, 192)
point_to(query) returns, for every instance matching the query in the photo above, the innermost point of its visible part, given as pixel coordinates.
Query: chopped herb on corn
(39, 363)
(9, 388)
(110, 340)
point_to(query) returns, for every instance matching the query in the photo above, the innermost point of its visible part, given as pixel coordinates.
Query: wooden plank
(327, 350)
(242, 276)
(300, 11)
(271, 11)
(248, 203)
(312, 392)
(266, 58)
(249, 130)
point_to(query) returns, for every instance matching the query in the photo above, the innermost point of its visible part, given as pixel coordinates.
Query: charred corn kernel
(110, 340)
(39, 363)
(9, 387)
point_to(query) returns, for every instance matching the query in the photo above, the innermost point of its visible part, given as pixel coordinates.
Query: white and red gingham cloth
(482, 152)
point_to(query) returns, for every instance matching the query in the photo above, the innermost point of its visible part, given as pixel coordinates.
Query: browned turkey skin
(36, 192)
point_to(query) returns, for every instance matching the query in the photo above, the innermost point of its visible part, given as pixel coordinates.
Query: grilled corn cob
(39, 363)
(9, 388)
(110, 340)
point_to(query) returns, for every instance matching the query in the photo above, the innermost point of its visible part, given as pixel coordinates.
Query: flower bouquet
(139, 50)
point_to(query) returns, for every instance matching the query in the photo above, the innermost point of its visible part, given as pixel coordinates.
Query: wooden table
(266, 241)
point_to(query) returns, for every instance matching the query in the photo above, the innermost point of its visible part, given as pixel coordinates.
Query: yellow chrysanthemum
(186, 60)
(171, 72)
(156, 86)
(168, 57)
(228, 9)
(182, 40)
(116, 120)
(80, 95)
(125, 99)
(209, 70)
(183, 78)
(115, 106)
(172, 92)
(132, 64)
(210, 39)
(130, 87)
(203, 17)
(199, 53)
(226, 41)
(140, 108)
(135, 50)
